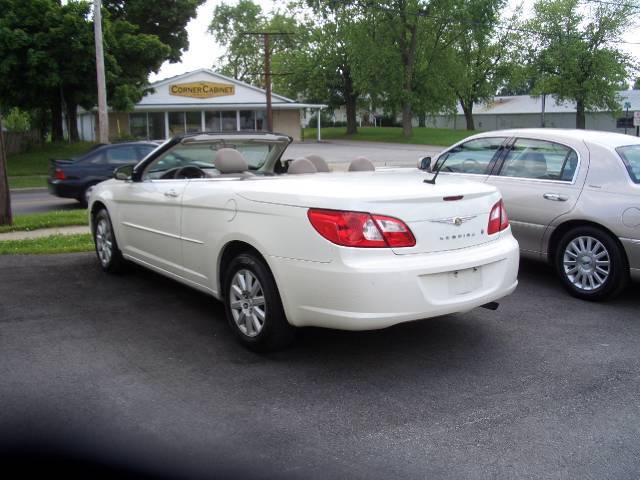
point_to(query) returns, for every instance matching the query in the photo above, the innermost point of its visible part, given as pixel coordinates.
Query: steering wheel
(189, 171)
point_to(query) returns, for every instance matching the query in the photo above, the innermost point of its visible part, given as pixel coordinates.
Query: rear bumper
(65, 189)
(371, 290)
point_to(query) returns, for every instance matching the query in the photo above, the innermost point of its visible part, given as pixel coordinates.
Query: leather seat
(318, 162)
(361, 164)
(301, 165)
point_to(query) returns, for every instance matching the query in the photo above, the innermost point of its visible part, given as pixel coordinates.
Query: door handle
(556, 197)
(171, 193)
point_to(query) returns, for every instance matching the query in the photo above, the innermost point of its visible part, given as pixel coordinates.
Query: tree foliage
(577, 55)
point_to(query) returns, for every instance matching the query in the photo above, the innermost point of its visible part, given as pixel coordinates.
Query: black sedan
(74, 178)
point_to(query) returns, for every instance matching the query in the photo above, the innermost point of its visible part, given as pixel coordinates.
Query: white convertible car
(287, 243)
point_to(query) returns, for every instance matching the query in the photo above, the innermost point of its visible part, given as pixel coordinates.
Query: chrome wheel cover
(586, 263)
(104, 241)
(247, 303)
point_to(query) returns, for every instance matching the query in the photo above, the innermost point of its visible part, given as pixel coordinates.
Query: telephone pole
(5, 197)
(266, 36)
(103, 117)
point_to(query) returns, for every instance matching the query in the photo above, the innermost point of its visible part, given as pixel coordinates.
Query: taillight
(498, 220)
(59, 174)
(359, 229)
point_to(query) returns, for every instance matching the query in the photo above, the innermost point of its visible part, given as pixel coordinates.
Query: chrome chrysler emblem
(457, 221)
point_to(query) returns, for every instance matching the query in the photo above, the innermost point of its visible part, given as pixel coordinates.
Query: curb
(44, 232)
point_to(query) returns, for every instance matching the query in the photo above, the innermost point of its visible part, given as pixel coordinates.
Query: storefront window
(261, 121)
(229, 121)
(138, 125)
(212, 121)
(247, 120)
(156, 126)
(176, 123)
(194, 122)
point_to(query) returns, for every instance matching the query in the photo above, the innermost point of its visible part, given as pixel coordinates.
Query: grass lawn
(36, 162)
(28, 181)
(44, 245)
(58, 218)
(421, 136)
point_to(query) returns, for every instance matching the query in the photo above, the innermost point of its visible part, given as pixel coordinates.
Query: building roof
(520, 104)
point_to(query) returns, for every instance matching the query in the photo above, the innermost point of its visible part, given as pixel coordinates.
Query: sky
(204, 51)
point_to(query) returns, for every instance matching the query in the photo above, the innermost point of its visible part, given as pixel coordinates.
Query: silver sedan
(572, 196)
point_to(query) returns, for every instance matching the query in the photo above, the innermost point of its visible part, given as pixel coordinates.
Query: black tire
(275, 331)
(109, 255)
(604, 248)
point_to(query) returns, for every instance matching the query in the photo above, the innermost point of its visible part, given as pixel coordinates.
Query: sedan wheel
(591, 264)
(586, 263)
(253, 305)
(109, 254)
(247, 303)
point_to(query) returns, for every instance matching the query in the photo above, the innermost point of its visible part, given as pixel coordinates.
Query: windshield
(631, 157)
(203, 155)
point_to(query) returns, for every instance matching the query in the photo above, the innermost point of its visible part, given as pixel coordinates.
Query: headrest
(361, 164)
(301, 165)
(318, 162)
(229, 160)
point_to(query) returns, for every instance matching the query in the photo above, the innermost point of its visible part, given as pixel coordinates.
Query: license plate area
(464, 281)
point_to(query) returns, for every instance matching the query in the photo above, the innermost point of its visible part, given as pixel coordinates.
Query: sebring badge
(457, 221)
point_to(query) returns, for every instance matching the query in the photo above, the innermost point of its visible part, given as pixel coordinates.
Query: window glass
(212, 121)
(631, 158)
(138, 125)
(194, 122)
(121, 155)
(229, 122)
(247, 120)
(539, 159)
(176, 123)
(473, 156)
(156, 126)
(203, 155)
(261, 121)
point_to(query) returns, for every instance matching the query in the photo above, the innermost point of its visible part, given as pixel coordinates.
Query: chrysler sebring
(287, 243)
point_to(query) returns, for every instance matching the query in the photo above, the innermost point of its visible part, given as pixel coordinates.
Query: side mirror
(124, 172)
(424, 163)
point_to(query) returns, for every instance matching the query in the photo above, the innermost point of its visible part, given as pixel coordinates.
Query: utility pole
(5, 197)
(266, 37)
(103, 117)
(267, 81)
(544, 101)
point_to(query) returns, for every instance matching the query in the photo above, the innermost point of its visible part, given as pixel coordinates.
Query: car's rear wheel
(253, 305)
(109, 255)
(591, 264)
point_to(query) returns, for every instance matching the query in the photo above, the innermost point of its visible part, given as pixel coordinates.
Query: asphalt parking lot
(140, 371)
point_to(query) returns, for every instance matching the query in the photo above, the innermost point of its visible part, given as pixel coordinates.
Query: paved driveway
(138, 370)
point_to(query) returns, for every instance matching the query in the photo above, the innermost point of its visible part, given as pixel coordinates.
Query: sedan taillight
(498, 219)
(359, 229)
(59, 174)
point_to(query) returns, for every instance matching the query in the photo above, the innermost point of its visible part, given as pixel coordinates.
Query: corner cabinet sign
(202, 89)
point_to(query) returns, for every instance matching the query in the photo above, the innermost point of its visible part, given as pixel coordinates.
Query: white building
(523, 111)
(202, 100)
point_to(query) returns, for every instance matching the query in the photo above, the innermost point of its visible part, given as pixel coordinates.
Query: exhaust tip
(491, 305)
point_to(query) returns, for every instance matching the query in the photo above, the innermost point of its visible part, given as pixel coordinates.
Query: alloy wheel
(104, 241)
(247, 303)
(586, 263)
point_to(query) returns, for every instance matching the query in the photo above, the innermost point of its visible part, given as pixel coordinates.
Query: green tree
(166, 19)
(578, 56)
(481, 53)
(402, 53)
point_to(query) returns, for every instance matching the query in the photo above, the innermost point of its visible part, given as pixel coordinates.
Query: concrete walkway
(44, 232)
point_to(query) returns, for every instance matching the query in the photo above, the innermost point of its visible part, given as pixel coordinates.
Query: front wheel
(590, 264)
(253, 306)
(109, 255)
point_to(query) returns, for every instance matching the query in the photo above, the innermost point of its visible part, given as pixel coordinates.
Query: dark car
(74, 178)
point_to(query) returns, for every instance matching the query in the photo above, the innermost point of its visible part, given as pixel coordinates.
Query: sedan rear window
(631, 158)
